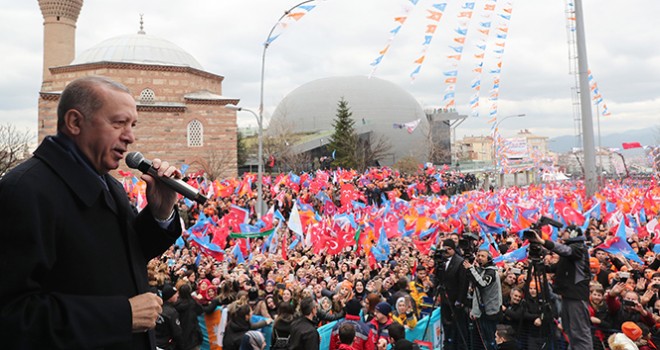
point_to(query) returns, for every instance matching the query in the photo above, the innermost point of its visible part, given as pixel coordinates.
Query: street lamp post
(495, 138)
(260, 160)
(263, 55)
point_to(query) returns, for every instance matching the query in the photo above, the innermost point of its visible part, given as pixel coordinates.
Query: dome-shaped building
(182, 118)
(376, 104)
(138, 48)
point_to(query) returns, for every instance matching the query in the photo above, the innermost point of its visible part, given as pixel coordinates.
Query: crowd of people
(376, 252)
(484, 304)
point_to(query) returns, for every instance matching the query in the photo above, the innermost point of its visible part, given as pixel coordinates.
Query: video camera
(467, 247)
(535, 249)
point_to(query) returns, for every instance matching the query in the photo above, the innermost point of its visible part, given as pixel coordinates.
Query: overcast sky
(342, 37)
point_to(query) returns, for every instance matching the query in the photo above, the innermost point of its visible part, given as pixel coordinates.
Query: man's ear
(73, 120)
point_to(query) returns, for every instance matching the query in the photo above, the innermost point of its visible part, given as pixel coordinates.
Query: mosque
(182, 118)
(181, 106)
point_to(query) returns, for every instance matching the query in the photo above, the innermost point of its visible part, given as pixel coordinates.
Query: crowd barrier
(213, 327)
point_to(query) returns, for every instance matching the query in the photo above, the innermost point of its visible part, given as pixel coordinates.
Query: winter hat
(253, 295)
(449, 243)
(631, 330)
(594, 263)
(347, 284)
(353, 307)
(168, 292)
(384, 308)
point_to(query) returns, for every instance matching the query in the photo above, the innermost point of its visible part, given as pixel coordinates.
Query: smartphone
(629, 303)
(515, 271)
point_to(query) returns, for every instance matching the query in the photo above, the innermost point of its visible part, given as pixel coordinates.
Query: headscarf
(253, 340)
(204, 293)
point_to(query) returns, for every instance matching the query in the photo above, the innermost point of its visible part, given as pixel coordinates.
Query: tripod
(537, 273)
(440, 293)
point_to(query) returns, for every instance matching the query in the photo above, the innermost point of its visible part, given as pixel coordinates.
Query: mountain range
(648, 136)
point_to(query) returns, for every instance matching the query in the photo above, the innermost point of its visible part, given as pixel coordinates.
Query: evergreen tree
(344, 140)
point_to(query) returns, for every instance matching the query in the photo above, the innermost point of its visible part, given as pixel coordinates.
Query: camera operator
(487, 300)
(452, 281)
(572, 277)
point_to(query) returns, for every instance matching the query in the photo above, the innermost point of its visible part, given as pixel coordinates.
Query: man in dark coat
(304, 335)
(572, 276)
(73, 255)
(453, 293)
(169, 335)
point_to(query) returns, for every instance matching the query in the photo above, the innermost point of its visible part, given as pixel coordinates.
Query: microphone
(136, 160)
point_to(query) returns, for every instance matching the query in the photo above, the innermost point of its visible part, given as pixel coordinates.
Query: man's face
(382, 318)
(449, 252)
(482, 257)
(510, 279)
(104, 137)
(516, 297)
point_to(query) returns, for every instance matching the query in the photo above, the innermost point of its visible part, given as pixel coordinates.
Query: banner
(432, 334)
(515, 148)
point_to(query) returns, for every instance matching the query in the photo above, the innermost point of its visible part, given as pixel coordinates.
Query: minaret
(60, 18)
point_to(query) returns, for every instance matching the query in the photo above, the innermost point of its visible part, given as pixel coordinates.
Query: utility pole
(590, 180)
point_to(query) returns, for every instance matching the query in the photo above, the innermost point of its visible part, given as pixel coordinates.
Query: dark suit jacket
(69, 258)
(454, 279)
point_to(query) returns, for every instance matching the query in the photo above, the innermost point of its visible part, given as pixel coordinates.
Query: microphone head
(133, 160)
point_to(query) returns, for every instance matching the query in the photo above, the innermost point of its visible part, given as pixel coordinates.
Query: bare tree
(367, 153)
(217, 163)
(279, 143)
(407, 165)
(14, 147)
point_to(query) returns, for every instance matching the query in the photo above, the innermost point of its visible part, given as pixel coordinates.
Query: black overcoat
(71, 255)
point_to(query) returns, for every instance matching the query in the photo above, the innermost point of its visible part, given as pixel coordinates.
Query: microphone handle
(177, 185)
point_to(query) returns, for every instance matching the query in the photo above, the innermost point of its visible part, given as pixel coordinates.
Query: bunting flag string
(464, 17)
(500, 42)
(399, 22)
(434, 16)
(596, 96)
(484, 32)
(293, 16)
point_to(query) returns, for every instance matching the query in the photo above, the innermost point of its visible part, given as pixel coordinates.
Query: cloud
(343, 37)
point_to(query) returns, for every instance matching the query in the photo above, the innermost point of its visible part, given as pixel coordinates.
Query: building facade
(182, 118)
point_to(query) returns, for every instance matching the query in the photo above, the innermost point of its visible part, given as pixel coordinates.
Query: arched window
(195, 133)
(147, 96)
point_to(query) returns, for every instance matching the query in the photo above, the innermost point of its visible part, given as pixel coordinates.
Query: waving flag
(517, 255)
(629, 145)
(294, 223)
(238, 254)
(409, 126)
(616, 245)
(570, 215)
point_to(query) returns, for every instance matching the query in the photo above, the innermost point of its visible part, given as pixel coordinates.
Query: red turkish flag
(629, 145)
(570, 215)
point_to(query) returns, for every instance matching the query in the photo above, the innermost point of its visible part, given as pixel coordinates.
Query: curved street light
(269, 38)
(260, 116)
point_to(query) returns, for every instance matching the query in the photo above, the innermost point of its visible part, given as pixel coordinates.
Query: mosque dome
(375, 104)
(138, 48)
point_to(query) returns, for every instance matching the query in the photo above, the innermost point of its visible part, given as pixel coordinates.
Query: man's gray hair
(82, 95)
